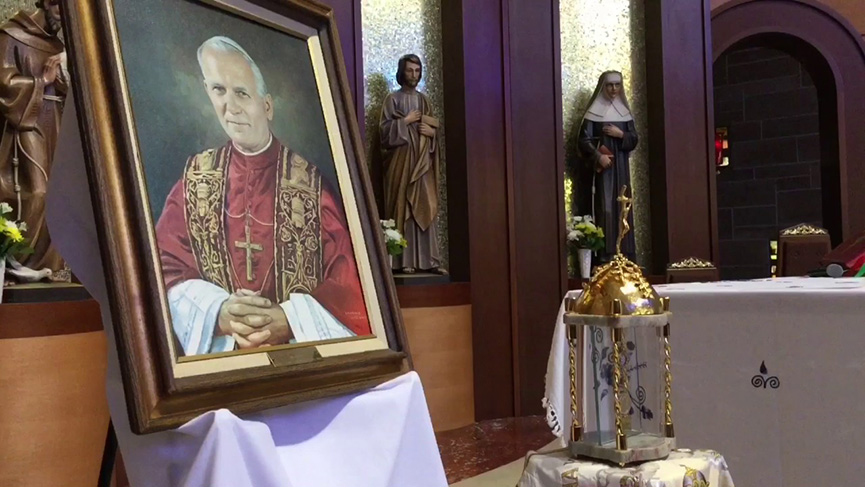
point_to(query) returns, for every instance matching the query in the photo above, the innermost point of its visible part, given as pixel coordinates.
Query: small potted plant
(12, 241)
(393, 239)
(585, 237)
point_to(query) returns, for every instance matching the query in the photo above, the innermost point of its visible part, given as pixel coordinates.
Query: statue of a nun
(607, 137)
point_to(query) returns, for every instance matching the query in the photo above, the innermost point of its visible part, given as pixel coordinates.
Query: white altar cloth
(799, 423)
(380, 438)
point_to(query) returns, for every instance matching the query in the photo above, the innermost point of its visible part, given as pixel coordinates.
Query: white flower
(578, 219)
(588, 218)
(5, 208)
(392, 235)
(572, 235)
(388, 224)
(579, 233)
(22, 226)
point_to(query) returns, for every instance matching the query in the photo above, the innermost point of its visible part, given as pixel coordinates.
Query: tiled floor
(478, 448)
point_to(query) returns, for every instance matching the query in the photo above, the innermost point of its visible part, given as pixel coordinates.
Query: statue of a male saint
(411, 152)
(33, 86)
(607, 137)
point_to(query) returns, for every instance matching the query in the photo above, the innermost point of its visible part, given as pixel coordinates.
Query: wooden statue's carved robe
(31, 116)
(296, 220)
(411, 167)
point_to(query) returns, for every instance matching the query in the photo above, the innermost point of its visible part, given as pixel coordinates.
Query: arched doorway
(832, 57)
(781, 166)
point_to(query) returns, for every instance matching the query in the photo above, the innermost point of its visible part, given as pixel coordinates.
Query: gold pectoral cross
(249, 247)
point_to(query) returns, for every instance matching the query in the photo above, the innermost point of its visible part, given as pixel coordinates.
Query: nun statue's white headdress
(602, 109)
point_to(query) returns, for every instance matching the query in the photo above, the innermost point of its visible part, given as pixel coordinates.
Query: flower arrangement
(392, 238)
(584, 234)
(12, 240)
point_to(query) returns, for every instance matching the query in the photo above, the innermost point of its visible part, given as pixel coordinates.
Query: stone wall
(769, 104)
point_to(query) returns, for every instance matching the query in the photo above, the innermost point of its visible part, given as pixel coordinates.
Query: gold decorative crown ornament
(692, 263)
(803, 229)
(619, 287)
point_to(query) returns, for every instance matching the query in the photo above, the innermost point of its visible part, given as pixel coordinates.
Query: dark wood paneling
(49, 319)
(44, 293)
(348, 24)
(473, 37)
(536, 188)
(680, 131)
(503, 106)
(693, 275)
(457, 169)
(434, 296)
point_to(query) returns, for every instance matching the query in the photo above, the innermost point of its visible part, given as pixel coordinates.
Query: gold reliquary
(618, 333)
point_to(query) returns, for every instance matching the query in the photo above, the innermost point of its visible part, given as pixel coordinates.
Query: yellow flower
(12, 232)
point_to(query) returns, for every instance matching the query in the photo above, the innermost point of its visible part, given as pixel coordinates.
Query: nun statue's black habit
(607, 137)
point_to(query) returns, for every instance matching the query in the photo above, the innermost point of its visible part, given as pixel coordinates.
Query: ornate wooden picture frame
(151, 136)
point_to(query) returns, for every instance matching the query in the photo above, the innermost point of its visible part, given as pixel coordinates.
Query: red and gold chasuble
(297, 259)
(266, 223)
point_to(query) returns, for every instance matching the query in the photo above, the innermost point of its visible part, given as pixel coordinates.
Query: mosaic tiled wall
(8, 8)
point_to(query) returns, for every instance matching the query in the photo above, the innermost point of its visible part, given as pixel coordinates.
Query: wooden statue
(410, 146)
(607, 137)
(33, 86)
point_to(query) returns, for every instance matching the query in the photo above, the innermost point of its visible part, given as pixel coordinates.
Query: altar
(769, 372)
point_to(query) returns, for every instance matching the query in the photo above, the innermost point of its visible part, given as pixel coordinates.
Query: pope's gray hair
(224, 44)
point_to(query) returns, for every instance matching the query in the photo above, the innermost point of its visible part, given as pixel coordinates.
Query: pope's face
(612, 87)
(244, 113)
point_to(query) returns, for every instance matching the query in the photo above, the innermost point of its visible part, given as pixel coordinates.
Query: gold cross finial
(624, 227)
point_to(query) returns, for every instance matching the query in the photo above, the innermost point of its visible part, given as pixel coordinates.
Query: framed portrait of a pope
(238, 228)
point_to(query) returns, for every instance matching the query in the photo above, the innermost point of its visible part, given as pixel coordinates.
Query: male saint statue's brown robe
(411, 166)
(31, 124)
